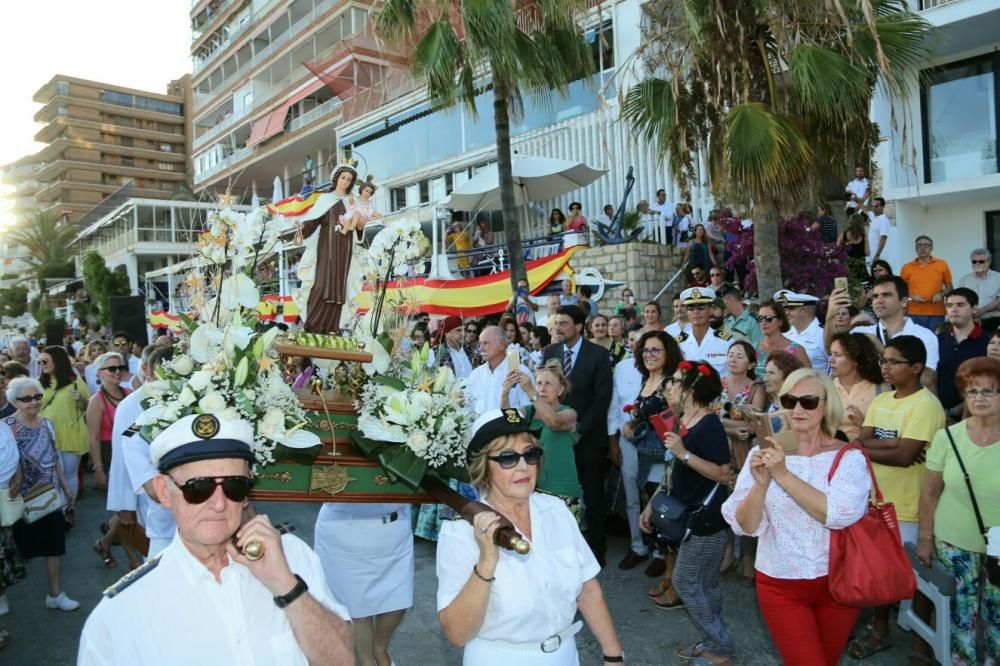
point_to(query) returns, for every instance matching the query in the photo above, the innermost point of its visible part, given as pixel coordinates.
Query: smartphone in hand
(513, 360)
(840, 283)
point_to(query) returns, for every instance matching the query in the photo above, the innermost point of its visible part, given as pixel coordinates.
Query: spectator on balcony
(607, 216)
(576, 221)
(557, 222)
(857, 191)
(699, 252)
(665, 209)
(307, 173)
(928, 280)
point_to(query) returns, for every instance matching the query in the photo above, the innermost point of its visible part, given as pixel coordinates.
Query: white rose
(182, 365)
(272, 426)
(418, 443)
(186, 397)
(229, 414)
(200, 380)
(212, 403)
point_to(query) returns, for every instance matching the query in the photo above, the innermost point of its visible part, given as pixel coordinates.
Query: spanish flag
(294, 206)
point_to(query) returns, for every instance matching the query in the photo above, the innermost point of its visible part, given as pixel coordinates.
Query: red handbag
(868, 565)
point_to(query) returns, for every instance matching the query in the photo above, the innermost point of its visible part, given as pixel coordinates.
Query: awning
(270, 125)
(257, 131)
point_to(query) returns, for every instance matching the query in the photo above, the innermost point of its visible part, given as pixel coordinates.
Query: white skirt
(480, 652)
(368, 563)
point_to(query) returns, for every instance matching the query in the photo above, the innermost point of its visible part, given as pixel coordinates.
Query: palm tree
(461, 46)
(49, 244)
(775, 94)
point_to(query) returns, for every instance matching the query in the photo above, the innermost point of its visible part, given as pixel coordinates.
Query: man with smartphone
(521, 304)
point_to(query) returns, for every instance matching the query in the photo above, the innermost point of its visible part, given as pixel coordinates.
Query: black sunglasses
(199, 489)
(115, 368)
(509, 459)
(30, 398)
(809, 402)
(767, 318)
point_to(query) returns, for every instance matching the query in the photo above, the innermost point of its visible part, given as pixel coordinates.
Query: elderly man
(203, 601)
(806, 329)
(485, 383)
(928, 279)
(22, 354)
(986, 283)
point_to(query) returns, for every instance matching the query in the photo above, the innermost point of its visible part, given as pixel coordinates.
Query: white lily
(206, 343)
(239, 291)
(297, 438)
(379, 430)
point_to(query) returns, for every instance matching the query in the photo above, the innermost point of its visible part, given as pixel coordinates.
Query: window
(398, 195)
(128, 161)
(602, 45)
(959, 109)
(166, 166)
(112, 97)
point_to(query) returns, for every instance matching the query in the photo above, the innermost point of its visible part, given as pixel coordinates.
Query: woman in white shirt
(787, 502)
(506, 608)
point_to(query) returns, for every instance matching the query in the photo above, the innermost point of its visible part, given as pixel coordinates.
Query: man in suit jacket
(588, 369)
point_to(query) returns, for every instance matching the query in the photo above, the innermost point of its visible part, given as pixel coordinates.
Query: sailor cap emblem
(206, 426)
(695, 293)
(512, 415)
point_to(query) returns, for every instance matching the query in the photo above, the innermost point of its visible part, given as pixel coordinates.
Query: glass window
(112, 97)
(960, 120)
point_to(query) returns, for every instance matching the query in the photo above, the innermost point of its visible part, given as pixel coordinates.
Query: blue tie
(567, 361)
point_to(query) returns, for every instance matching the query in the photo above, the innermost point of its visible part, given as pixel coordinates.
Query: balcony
(227, 123)
(309, 116)
(212, 56)
(232, 159)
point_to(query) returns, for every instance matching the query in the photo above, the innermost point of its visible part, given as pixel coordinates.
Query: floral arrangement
(396, 251)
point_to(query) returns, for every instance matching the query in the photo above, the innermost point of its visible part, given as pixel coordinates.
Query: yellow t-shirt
(67, 415)
(954, 519)
(917, 417)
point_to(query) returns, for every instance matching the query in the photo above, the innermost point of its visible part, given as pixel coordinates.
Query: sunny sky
(136, 43)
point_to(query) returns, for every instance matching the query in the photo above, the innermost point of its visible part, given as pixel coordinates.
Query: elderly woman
(556, 425)
(11, 565)
(698, 475)
(777, 368)
(64, 403)
(949, 530)
(787, 501)
(92, 352)
(40, 466)
(856, 373)
(506, 608)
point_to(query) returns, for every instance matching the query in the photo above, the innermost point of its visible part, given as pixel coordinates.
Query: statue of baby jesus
(360, 210)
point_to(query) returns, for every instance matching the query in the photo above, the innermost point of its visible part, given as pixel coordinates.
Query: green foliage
(13, 301)
(49, 244)
(102, 284)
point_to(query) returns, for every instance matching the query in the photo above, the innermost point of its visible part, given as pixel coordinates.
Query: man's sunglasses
(30, 398)
(509, 459)
(115, 368)
(809, 402)
(980, 261)
(199, 489)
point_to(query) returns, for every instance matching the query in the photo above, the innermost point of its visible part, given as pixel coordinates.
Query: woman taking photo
(556, 423)
(40, 465)
(100, 419)
(787, 502)
(774, 324)
(699, 469)
(857, 376)
(505, 608)
(949, 530)
(64, 403)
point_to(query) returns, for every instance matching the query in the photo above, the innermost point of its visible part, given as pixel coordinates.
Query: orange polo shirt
(925, 281)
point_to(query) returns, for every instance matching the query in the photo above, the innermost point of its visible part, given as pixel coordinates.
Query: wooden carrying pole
(506, 535)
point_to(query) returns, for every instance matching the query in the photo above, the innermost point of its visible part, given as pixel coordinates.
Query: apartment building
(942, 170)
(21, 179)
(260, 104)
(100, 137)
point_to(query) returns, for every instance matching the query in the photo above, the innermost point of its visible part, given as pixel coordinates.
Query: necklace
(691, 420)
(114, 401)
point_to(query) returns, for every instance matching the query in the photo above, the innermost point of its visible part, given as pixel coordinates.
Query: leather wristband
(620, 659)
(300, 588)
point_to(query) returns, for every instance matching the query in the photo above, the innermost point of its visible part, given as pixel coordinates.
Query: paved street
(43, 637)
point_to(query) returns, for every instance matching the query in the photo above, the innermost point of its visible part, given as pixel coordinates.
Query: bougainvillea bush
(808, 265)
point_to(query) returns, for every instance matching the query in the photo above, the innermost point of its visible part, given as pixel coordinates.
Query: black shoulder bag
(992, 563)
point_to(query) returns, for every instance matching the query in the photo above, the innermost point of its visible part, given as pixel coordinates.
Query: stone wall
(643, 267)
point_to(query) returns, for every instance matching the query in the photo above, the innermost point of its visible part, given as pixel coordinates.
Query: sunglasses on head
(115, 368)
(30, 398)
(199, 489)
(509, 459)
(810, 402)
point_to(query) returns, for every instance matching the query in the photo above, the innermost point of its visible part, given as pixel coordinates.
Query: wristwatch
(620, 659)
(300, 588)
(687, 458)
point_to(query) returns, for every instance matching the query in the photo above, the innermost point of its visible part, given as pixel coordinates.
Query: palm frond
(827, 83)
(397, 19)
(437, 58)
(490, 29)
(905, 39)
(650, 109)
(765, 152)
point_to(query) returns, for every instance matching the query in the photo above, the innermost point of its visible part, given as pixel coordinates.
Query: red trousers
(808, 627)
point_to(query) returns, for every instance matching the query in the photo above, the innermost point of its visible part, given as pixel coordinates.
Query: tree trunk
(511, 220)
(765, 249)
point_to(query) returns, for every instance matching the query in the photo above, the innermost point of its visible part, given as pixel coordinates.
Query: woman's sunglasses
(509, 459)
(200, 488)
(115, 368)
(809, 402)
(767, 318)
(30, 398)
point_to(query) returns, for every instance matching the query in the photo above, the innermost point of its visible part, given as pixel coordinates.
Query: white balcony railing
(223, 126)
(309, 116)
(240, 154)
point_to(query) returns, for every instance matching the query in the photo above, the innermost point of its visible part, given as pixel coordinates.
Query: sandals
(867, 645)
(658, 589)
(105, 555)
(691, 652)
(679, 603)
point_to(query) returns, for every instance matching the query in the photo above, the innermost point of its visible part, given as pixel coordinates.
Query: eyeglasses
(925, 244)
(984, 393)
(651, 351)
(809, 402)
(472, 331)
(766, 318)
(120, 343)
(30, 398)
(980, 261)
(199, 489)
(510, 459)
(115, 368)
(893, 362)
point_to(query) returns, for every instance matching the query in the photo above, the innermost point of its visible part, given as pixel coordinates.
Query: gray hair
(19, 340)
(19, 384)
(980, 252)
(497, 333)
(103, 358)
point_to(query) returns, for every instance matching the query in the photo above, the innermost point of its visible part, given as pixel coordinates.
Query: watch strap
(300, 588)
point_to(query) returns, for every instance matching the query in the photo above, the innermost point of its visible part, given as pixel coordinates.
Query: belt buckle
(551, 644)
(391, 518)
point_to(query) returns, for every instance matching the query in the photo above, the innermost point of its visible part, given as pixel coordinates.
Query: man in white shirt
(23, 355)
(806, 329)
(703, 342)
(986, 283)
(665, 209)
(889, 294)
(211, 603)
(858, 190)
(607, 216)
(453, 353)
(879, 228)
(485, 383)
(680, 323)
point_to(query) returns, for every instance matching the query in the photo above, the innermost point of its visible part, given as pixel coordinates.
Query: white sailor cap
(698, 296)
(492, 424)
(791, 299)
(202, 437)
